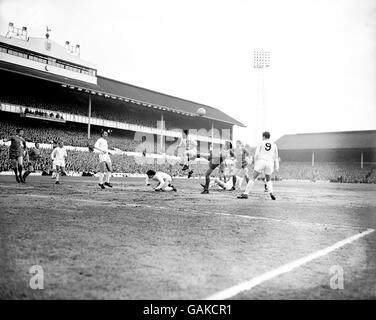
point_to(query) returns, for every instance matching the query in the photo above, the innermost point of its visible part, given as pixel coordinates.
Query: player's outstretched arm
(53, 154)
(6, 140)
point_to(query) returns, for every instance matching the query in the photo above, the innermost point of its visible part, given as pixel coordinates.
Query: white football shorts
(264, 166)
(104, 157)
(60, 163)
(191, 153)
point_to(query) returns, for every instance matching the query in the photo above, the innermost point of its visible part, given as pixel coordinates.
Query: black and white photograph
(176, 150)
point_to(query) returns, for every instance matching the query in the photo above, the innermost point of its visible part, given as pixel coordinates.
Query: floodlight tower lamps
(261, 61)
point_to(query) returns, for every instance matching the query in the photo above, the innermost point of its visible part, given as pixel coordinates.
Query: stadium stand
(333, 156)
(48, 92)
(71, 135)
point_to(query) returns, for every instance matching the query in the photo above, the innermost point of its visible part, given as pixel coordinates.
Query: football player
(31, 157)
(105, 164)
(164, 180)
(215, 161)
(59, 155)
(16, 152)
(189, 152)
(266, 158)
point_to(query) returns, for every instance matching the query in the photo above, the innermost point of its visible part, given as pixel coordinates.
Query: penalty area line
(248, 285)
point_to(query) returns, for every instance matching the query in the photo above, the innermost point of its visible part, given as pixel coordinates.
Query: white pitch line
(248, 285)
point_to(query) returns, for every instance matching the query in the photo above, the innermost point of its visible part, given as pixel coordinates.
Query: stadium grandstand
(348, 156)
(54, 94)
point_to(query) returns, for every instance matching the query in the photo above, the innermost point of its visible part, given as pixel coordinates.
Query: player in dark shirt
(16, 150)
(243, 158)
(215, 159)
(31, 156)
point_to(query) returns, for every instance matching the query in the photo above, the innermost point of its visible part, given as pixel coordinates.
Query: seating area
(70, 135)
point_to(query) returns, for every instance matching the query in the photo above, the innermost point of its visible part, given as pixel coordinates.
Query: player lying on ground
(59, 156)
(105, 164)
(266, 157)
(164, 180)
(31, 157)
(189, 146)
(16, 153)
(215, 160)
(229, 171)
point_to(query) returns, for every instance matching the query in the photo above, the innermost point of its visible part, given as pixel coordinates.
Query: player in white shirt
(58, 155)
(54, 145)
(164, 180)
(105, 164)
(266, 159)
(189, 146)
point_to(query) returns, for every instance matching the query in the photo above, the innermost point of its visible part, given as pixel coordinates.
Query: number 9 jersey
(266, 156)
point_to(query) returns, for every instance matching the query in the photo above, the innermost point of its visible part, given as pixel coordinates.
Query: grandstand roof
(127, 91)
(328, 140)
(37, 45)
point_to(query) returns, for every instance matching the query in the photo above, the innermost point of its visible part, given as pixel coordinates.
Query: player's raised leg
(207, 177)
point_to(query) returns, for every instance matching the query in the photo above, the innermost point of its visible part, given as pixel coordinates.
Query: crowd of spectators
(327, 171)
(48, 97)
(102, 108)
(71, 136)
(84, 161)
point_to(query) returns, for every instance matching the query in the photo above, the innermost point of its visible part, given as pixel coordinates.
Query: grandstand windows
(45, 60)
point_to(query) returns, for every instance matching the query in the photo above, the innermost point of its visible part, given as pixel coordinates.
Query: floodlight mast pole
(89, 118)
(261, 61)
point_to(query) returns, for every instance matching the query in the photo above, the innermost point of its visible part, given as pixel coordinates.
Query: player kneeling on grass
(31, 156)
(164, 180)
(266, 158)
(59, 155)
(105, 164)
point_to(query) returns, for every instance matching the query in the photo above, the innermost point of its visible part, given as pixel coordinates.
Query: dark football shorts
(14, 155)
(214, 164)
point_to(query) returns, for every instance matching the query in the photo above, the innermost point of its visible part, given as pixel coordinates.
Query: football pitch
(316, 241)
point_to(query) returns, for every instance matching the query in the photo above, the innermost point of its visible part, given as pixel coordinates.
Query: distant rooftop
(328, 140)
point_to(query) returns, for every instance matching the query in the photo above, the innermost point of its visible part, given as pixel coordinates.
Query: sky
(322, 74)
